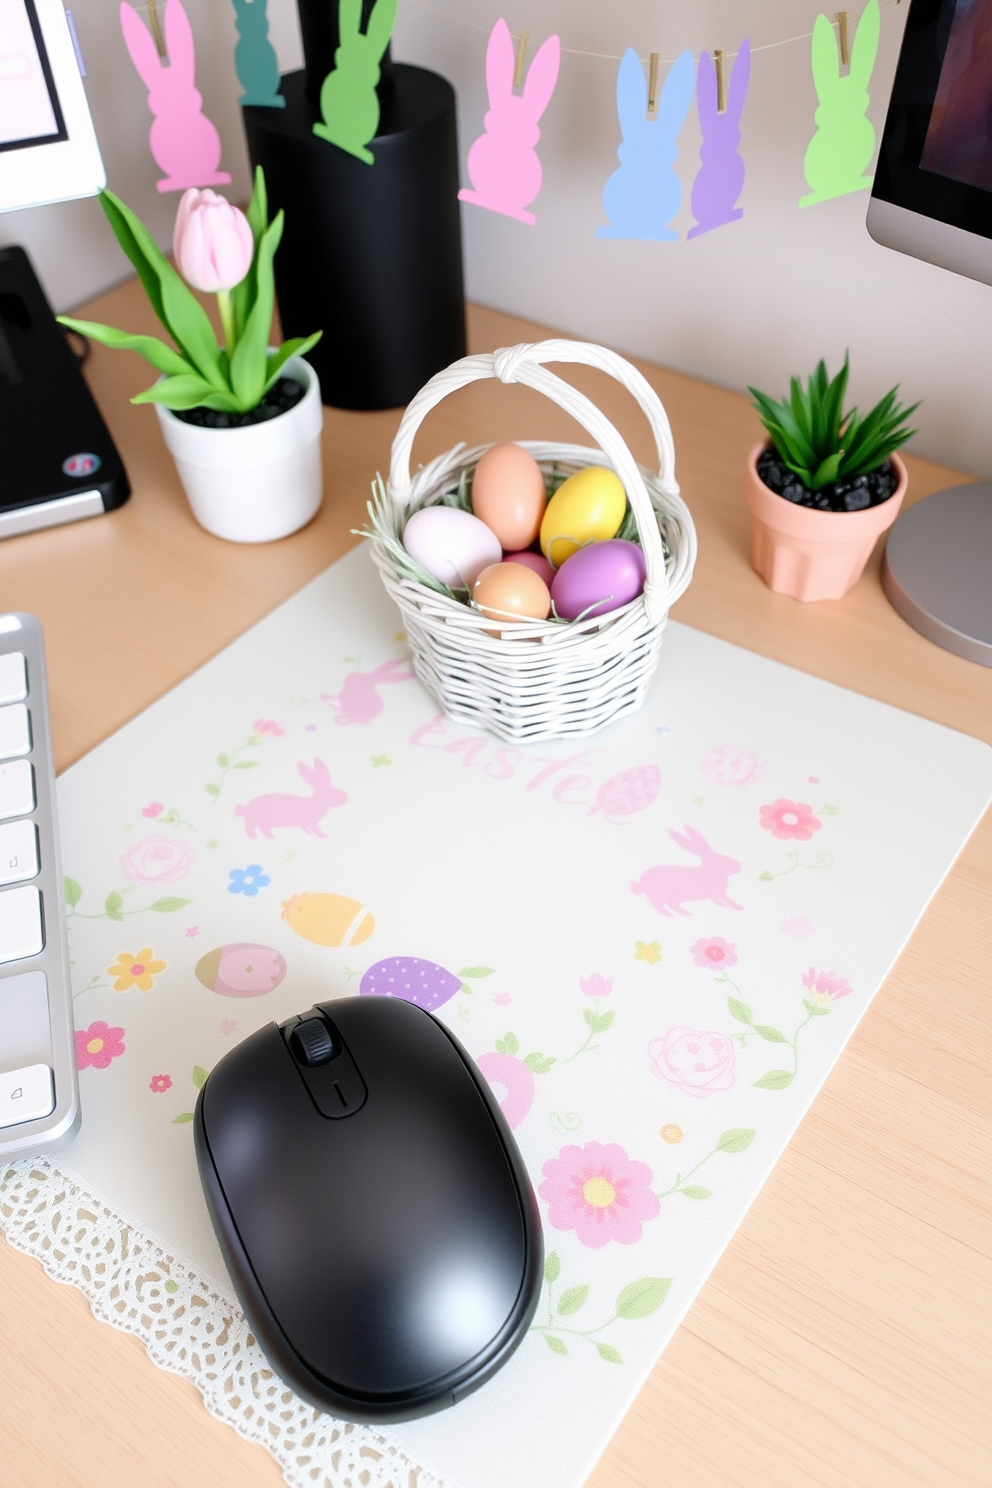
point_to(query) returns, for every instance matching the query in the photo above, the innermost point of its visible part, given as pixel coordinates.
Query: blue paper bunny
(643, 196)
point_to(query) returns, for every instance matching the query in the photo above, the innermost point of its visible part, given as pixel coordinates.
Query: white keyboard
(39, 1096)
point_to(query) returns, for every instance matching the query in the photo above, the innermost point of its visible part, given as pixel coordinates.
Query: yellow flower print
(671, 1133)
(650, 952)
(135, 971)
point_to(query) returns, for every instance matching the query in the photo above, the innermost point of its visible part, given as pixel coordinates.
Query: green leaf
(178, 392)
(739, 1010)
(572, 1300)
(552, 1267)
(693, 1191)
(539, 1063)
(248, 365)
(639, 1298)
(199, 1076)
(603, 1022)
(591, 1018)
(736, 1139)
(163, 358)
(223, 761)
(555, 1344)
(169, 905)
(476, 971)
(72, 890)
(212, 790)
(774, 1080)
(814, 1009)
(608, 1352)
(464, 987)
(772, 1035)
(246, 765)
(276, 360)
(123, 222)
(766, 877)
(509, 1045)
(186, 1116)
(113, 904)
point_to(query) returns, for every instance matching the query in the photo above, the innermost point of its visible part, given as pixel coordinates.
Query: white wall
(748, 303)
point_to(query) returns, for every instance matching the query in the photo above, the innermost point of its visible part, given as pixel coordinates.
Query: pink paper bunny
(184, 143)
(266, 812)
(502, 164)
(359, 700)
(669, 885)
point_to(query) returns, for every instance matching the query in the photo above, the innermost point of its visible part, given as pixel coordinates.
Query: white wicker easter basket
(538, 679)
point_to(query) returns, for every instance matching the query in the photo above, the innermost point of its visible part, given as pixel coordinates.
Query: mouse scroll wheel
(311, 1042)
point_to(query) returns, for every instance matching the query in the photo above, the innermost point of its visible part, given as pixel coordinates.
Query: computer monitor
(48, 147)
(932, 195)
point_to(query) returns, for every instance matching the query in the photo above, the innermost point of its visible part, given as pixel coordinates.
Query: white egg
(452, 545)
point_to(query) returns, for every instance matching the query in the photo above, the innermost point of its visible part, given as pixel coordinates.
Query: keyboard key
(21, 934)
(16, 789)
(15, 731)
(18, 852)
(13, 678)
(26, 1094)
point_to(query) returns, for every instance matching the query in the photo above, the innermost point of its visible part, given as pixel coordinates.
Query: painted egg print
(624, 794)
(422, 982)
(729, 766)
(241, 970)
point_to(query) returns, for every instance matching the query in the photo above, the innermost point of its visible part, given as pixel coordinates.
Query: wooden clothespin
(845, 55)
(518, 71)
(156, 26)
(653, 83)
(721, 84)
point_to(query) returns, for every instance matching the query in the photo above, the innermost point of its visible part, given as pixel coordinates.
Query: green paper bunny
(348, 98)
(844, 142)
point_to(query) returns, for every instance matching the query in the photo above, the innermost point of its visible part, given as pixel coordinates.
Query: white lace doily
(189, 1327)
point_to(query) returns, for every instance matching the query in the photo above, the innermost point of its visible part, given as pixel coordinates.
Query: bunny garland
(844, 142)
(644, 195)
(255, 59)
(349, 102)
(720, 179)
(183, 141)
(503, 165)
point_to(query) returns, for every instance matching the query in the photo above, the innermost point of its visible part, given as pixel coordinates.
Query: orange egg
(508, 495)
(508, 591)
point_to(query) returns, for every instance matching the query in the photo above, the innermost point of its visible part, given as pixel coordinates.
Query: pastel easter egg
(588, 507)
(508, 494)
(241, 970)
(512, 1084)
(536, 561)
(508, 591)
(729, 766)
(413, 980)
(328, 919)
(454, 546)
(598, 579)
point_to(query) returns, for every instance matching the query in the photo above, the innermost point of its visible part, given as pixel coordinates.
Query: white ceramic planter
(254, 484)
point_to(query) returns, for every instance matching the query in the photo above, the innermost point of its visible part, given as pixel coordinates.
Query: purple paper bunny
(502, 164)
(720, 178)
(183, 141)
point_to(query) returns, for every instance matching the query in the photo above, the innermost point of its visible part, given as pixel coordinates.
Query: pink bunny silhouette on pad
(359, 700)
(265, 813)
(670, 885)
(502, 164)
(184, 143)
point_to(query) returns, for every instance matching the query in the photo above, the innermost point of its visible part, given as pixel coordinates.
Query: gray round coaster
(937, 570)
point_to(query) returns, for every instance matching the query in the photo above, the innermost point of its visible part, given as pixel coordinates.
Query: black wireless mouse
(372, 1207)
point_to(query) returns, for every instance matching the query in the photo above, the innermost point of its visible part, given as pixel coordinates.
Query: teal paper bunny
(255, 59)
(348, 100)
(844, 142)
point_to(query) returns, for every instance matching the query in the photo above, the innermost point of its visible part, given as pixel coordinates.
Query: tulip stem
(226, 319)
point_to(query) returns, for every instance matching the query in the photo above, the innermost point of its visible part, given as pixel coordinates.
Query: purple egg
(413, 980)
(599, 578)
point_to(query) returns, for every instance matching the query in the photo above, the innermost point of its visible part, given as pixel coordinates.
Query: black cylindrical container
(371, 254)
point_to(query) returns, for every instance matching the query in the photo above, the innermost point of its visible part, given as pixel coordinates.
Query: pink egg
(536, 561)
(599, 578)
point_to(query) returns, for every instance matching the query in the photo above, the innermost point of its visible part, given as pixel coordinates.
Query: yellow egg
(508, 494)
(328, 919)
(588, 507)
(508, 591)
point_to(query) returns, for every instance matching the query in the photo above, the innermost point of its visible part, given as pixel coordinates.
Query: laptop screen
(29, 105)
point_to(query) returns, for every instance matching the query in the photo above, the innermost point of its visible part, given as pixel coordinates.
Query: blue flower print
(248, 880)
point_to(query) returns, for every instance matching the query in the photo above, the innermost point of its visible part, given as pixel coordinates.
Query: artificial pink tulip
(212, 242)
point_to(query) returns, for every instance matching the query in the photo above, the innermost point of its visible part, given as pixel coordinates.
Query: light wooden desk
(844, 1339)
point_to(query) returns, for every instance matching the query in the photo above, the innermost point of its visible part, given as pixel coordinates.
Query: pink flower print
(153, 809)
(192, 930)
(715, 952)
(825, 987)
(502, 999)
(790, 819)
(98, 1045)
(511, 1082)
(159, 1084)
(227, 1025)
(596, 985)
(156, 860)
(798, 926)
(696, 1062)
(600, 1193)
(267, 728)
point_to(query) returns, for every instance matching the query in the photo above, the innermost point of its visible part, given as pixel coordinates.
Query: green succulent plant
(820, 443)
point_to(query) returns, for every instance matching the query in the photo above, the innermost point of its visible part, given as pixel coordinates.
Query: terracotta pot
(813, 554)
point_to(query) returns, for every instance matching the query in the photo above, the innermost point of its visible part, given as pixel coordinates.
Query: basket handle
(524, 364)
